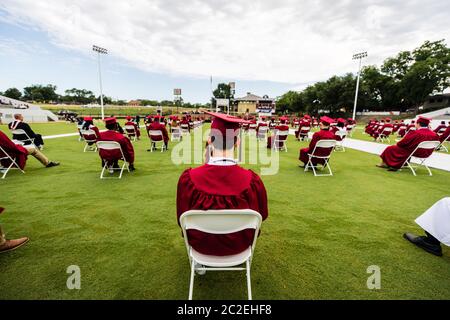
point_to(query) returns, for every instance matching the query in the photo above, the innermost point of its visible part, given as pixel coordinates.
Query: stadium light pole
(99, 51)
(358, 56)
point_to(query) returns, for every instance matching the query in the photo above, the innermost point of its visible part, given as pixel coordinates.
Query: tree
(290, 102)
(40, 93)
(13, 93)
(79, 96)
(223, 91)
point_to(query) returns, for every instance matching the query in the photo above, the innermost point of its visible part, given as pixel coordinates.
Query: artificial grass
(321, 235)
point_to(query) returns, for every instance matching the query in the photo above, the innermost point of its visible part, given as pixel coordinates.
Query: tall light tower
(100, 51)
(358, 56)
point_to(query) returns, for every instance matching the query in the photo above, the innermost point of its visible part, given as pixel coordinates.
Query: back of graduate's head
(18, 116)
(224, 132)
(111, 123)
(423, 122)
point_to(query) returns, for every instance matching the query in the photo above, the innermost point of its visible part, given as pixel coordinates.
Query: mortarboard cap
(326, 120)
(111, 120)
(423, 120)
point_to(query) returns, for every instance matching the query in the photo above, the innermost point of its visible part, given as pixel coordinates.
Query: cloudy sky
(266, 46)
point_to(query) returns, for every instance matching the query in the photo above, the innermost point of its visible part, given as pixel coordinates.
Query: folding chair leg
(412, 169)
(121, 170)
(103, 170)
(191, 284)
(249, 284)
(327, 164)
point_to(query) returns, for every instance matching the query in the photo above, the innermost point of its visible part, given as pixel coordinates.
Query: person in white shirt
(436, 224)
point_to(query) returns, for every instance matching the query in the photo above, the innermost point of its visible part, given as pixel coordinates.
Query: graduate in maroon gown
(221, 184)
(387, 124)
(441, 128)
(281, 127)
(444, 136)
(395, 156)
(112, 135)
(324, 134)
(129, 122)
(158, 125)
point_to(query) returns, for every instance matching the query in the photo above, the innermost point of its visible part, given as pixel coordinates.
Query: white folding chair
(220, 222)
(426, 145)
(176, 134)
(79, 127)
(324, 144)
(131, 132)
(442, 146)
(280, 140)
(184, 129)
(13, 164)
(262, 132)
(252, 129)
(385, 134)
(88, 138)
(154, 143)
(350, 128)
(304, 133)
(21, 132)
(110, 146)
(340, 144)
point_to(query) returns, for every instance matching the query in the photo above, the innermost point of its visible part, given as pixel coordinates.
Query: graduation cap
(226, 124)
(111, 120)
(388, 120)
(128, 118)
(326, 120)
(423, 120)
(87, 118)
(341, 120)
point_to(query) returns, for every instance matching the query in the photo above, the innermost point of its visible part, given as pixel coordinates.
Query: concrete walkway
(437, 160)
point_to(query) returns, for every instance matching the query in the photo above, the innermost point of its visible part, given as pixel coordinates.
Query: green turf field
(321, 235)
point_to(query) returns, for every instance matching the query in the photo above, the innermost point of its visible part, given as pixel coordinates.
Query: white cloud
(278, 40)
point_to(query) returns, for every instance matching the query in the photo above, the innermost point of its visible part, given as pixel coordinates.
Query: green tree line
(402, 82)
(47, 94)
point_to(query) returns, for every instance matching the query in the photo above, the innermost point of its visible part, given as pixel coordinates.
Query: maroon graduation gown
(216, 188)
(159, 126)
(281, 127)
(321, 135)
(13, 150)
(125, 144)
(445, 135)
(395, 156)
(131, 123)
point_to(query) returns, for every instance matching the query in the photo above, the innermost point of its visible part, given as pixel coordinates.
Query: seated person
(436, 223)
(387, 124)
(157, 125)
(340, 127)
(221, 184)
(395, 156)
(19, 124)
(88, 124)
(185, 123)
(129, 122)
(21, 153)
(282, 127)
(113, 135)
(9, 245)
(137, 120)
(305, 122)
(324, 134)
(444, 136)
(261, 124)
(441, 128)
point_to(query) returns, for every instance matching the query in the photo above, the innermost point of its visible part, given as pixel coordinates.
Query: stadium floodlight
(358, 56)
(99, 51)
